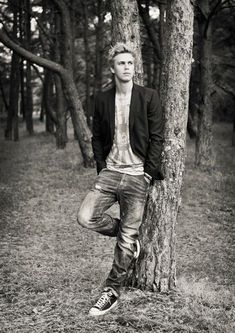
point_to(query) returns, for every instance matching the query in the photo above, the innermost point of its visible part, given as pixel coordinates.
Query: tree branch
(40, 61)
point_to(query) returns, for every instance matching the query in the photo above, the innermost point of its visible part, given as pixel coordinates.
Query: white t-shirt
(121, 157)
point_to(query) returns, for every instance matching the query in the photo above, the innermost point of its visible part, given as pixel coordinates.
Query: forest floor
(51, 270)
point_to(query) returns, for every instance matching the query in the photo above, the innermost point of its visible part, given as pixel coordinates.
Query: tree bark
(204, 157)
(194, 95)
(87, 60)
(61, 132)
(48, 102)
(233, 134)
(3, 94)
(29, 97)
(12, 130)
(99, 47)
(22, 70)
(155, 269)
(126, 28)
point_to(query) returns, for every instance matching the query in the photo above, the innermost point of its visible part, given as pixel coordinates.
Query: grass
(51, 270)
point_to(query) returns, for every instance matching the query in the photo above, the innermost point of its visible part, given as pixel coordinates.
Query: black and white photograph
(117, 166)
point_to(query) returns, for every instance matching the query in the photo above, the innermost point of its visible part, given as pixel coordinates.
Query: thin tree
(12, 130)
(99, 45)
(204, 142)
(61, 132)
(87, 60)
(28, 97)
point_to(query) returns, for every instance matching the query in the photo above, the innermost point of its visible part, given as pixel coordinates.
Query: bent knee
(82, 219)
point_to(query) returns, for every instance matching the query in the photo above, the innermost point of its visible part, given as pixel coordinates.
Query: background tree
(12, 129)
(28, 75)
(204, 141)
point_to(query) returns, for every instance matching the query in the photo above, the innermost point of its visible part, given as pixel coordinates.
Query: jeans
(131, 193)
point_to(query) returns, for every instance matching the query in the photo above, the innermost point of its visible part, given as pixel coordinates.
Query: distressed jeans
(131, 193)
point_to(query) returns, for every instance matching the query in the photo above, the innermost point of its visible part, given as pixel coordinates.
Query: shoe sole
(137, 252)
(101, 313)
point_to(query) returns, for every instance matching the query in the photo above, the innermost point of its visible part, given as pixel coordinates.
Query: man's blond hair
(119, 48)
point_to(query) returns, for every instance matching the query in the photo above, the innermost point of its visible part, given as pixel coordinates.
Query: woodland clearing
(51, 270)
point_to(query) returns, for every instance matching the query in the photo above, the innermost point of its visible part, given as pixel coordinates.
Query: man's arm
(97, 142)
(155, 122)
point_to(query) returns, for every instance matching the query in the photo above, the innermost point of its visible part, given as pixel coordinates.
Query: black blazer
(145, 126)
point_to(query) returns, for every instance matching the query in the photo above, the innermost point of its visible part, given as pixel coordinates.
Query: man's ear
(112, 70)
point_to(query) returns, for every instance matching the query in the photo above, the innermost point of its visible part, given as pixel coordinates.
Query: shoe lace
(104, 298)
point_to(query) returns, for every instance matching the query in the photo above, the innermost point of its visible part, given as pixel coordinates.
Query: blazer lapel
(133, 106)
(111, 108)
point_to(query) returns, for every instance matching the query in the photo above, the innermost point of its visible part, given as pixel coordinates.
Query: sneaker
(137, 251)
(105, 303)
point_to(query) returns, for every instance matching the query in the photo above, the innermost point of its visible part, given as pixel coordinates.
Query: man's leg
(133, 193)
(101, 197)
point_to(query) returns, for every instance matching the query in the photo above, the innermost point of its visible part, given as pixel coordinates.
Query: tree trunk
(162, 15)
(156, 72)
(12, 116)
(48, 102)
(99, 47)
(22, 89)
(204, 142)
(126, 28)
(72, 12)
(22, 70)
(29, 97)
(78, 118)
(155, 269)
(148, 53)
(194, 95)
(61, 133)
(3, 94)
(87, 60)
(149, 63)
(233, 134)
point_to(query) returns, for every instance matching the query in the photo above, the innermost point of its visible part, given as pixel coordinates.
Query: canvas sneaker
(105, 303)
(137, 251)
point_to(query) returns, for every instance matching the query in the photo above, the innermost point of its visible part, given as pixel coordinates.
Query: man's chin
(126, 79)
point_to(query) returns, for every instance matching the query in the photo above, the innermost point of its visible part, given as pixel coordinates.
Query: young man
(127, 144)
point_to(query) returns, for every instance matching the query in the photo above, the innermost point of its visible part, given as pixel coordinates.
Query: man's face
(123, 67)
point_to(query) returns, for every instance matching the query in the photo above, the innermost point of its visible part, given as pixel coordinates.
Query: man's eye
(130, 63)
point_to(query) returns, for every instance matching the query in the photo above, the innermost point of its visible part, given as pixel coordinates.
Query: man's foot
(105, 303)
(137, 251)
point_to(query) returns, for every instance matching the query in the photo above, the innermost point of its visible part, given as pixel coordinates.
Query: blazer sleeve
(97, 144)
(156, 126)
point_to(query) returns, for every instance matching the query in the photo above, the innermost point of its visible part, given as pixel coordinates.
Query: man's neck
(123, 88)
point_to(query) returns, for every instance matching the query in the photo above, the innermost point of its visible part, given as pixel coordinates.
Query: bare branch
(40, 61)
